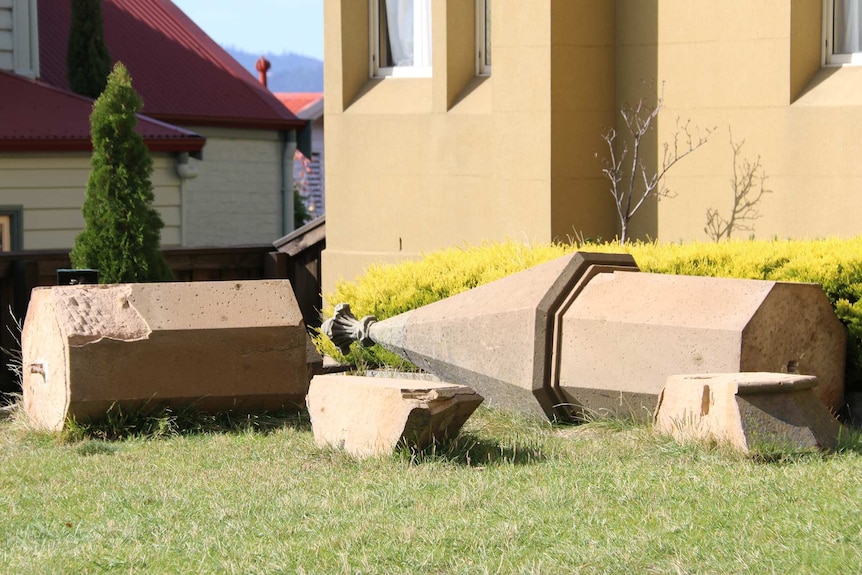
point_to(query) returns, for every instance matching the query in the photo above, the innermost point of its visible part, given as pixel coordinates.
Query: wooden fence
(20, 272)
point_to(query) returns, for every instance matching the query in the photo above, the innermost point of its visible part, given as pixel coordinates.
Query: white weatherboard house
(222, 144)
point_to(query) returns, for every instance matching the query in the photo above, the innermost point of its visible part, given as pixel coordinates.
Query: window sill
(393, 96)
(833, 85)
(842, 64)
(852, 59)
(403, 72)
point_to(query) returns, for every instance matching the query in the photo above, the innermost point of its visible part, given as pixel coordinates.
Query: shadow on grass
(848, 442)
(162, 422)
(471, 450)
(778, 455)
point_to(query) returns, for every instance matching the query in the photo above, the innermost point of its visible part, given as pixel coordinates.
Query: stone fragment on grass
(747, 410)
(211, 345)
(371, 415)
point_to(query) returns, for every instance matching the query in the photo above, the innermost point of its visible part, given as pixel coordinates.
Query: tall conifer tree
(123, 231)
(87, 60)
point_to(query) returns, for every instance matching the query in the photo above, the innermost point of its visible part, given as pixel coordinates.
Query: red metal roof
(36, 116)
(296, 102)
(183, 76)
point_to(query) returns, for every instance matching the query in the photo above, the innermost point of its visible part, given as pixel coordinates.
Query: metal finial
(343, 328)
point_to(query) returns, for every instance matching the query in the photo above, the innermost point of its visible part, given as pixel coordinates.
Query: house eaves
(35, 116)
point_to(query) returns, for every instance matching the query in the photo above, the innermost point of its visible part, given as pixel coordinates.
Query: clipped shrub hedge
(388, 290)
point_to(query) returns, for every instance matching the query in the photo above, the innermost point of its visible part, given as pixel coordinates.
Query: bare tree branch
(642, 182)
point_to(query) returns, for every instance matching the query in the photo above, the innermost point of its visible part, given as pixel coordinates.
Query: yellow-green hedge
(388, 290)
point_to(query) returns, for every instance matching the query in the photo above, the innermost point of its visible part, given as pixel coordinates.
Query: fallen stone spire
(587, 333)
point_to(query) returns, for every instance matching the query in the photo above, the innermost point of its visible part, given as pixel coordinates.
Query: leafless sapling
(632, 180)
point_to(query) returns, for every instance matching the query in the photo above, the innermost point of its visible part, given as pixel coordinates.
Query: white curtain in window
(848, 27)
(409, 28)
(422, 33)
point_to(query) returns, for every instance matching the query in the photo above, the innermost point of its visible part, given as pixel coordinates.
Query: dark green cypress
(122, 230)
(87, 59)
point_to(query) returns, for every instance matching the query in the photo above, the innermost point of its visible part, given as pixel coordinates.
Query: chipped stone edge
(131, 327)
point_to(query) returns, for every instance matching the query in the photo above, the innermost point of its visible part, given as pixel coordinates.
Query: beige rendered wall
(636, 74)
(51, 187)
(417, 164)
(236, 197)
(583, 84)
(755, 68)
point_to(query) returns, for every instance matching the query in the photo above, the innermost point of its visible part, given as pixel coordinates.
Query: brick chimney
(262, 66)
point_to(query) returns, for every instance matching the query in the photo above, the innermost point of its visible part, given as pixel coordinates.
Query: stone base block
(747, 410)
(372, 415)
(212, 345)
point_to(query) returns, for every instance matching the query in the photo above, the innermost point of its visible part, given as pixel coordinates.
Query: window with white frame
(401, 37)
(842, 23)
(483, 37)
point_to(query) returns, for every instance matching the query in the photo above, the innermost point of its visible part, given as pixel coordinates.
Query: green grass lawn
(511, 495)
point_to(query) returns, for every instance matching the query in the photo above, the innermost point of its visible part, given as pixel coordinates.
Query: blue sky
(261, 25)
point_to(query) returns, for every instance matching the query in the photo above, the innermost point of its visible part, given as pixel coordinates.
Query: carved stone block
(372, 415)
(747, 410)
(214, 345)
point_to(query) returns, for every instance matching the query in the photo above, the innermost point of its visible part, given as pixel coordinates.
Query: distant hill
(289, 72)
